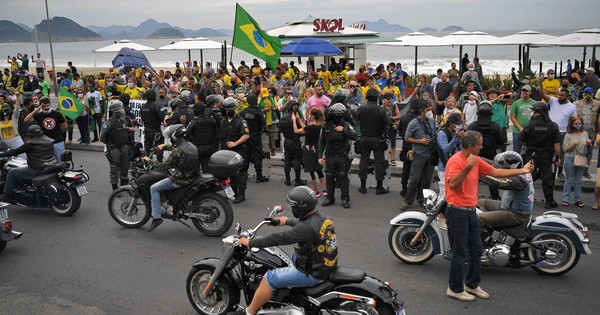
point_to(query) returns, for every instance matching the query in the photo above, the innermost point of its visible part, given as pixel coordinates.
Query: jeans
(516, 142)
(23, 173)
(573, 177)
(83, 124)
(59, 147)
(290, 277)
(155, 190)
(422, 170)
(464, 233)
(497, 217)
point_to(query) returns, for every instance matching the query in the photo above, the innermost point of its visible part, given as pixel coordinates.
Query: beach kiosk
(351, 40)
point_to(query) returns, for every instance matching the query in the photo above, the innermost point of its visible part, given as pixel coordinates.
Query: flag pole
(232, 40)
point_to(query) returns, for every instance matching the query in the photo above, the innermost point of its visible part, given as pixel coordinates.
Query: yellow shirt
(334, 88)
(256, 71)
(102, 87)
(7, 130)
(326, 77)
(134, 93)
(366, 88)
(395, 90)
(551, 86)
(227, 79)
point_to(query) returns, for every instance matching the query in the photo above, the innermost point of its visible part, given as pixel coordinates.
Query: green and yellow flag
(68, 104)
(249, 37)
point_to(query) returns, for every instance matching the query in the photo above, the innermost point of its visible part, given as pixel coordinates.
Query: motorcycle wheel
(2, 245)
(216, 212)
(66, 202)
(119, 201)
(567, 255)
(224, 296)
(399, 241)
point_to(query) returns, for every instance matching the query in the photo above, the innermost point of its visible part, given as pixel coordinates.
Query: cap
(323, 65)
(455, 118)
(474, 93)
(526, 87)
(264, 92)
(588, 90)
(372, 93)
(115, 71)
(6, 107)
(590, 69)
(528, 77)
(492, 91)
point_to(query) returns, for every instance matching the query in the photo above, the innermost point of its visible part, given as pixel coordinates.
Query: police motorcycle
(210, 212)
(213, 284)
(551, 243)
(6, 228)
(58, 187)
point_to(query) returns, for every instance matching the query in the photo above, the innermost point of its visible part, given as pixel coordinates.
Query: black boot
(124, 182)
(260, 178)
(155, 224)
(288, 181)
(115, 186)
(299, 182)
(239, 198)
(328, 202)
(346, 203)
(363, 186)
(380, 190)
(403, 191)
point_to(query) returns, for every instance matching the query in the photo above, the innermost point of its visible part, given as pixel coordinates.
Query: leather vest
(42, 153)
(205, 131)
(319, 258)
(190, 168)
(287, 128)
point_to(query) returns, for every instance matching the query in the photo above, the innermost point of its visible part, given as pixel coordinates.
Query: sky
(195, 14)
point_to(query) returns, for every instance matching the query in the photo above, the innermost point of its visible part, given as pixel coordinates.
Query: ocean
(494, 59)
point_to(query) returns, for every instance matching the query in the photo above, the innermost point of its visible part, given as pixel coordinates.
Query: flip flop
(565, 204)
(594, 207)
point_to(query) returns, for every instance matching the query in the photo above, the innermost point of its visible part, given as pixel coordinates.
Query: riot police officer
(114, 134)
(152, 118)
(334, 146)
(203, 131)
(373, 125)
(291, 145)
(257, 123)
(541, 139)
(213, 107)
(233, 135)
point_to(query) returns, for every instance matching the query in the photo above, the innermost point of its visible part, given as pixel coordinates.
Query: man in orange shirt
(462, 176)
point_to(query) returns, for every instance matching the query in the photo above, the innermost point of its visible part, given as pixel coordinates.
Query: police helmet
(115, 106)
(485, 109)
(372, 94)
(176, 103)
(540, 107)
(229, 103)
(214, 98)
(124, 98)
(252, 99)
(35, 130)
(302, 200)
(337, 109)
(199, 109)
(508, 160)
(179, 133)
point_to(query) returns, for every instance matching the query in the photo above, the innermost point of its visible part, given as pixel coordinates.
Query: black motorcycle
(200, 201)
(59, 186)
(213, 285)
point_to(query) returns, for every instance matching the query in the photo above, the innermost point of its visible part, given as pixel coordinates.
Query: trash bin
(51, 74)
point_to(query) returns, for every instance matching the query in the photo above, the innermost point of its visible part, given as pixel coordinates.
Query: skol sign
(327, 25)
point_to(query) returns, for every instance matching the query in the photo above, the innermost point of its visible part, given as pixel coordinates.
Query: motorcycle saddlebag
(224, 163)
(48, 181)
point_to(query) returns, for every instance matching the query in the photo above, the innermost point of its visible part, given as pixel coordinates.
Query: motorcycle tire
(66, 202)
(566, 259)
(224, 298)
(119, 201)
(381, 308)
(216, 213)
(2, 245)
(399, 240)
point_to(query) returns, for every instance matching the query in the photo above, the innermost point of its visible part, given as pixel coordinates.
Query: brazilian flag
(249, 37)
(68, 104)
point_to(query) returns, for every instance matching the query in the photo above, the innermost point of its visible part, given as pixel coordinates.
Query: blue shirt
(519, 201)
(382, 83)
(448, 147)
(416, 131)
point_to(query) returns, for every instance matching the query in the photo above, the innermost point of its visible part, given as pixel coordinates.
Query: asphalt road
(87, 264)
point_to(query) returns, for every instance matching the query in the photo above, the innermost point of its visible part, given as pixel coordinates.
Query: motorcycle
(210, 212)
(213, 285)
(59, 186)
(551, 243)
(6, 229)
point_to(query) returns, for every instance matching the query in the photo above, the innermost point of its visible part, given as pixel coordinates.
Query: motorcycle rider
(315, 255)
(182, 166)
(257, 123)
(233, 135)
(152, 118)
(114, 133)
(40, 153)
(52, 122)
(202, 132)
(334, 146)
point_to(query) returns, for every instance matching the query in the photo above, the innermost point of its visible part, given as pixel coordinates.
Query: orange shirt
(466, 194)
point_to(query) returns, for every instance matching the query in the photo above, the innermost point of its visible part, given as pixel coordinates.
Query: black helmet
(485, 109)
(337, 109)
(214, 98)
(372, 94)
(150, 95)
(302, 200)
(199, 109)
(179, 133)
(229, 103)
(252, 99)
(176, 103)
(124, 98)
(508, 160)
(340, 96)
(35, 130)
(541, 107)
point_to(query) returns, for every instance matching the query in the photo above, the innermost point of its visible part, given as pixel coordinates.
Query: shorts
(272, 131)
(289, 277)
(439, 109)
(392, 136)
(598, 177)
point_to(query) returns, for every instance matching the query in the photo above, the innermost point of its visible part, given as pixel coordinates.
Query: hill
(452, 28)
(65, 30)
(428, 30)
(384, 27)
(11, 32)
(148, 27)
(166, 33)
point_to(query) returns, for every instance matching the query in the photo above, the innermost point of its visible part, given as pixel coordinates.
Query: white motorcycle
(551, 243)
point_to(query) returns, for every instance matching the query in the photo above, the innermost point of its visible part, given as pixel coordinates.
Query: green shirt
(499, 114)
(45, 88)
(522, 111)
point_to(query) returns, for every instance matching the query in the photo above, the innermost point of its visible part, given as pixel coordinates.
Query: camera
(506, 96)
(466, 97)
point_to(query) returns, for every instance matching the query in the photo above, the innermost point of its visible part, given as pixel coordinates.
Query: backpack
(436, 154)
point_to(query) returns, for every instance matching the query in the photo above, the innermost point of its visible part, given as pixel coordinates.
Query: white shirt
(561, 113)
(470, 112)
(97, 98)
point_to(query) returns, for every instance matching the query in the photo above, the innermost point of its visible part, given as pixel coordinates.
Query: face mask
(154, 84)
(301, 77)
(334, 82)
(46, 111)
(147, 74)
(551, 76)
(588, 97)
(230, 113)
(425, 97)
(130, 85)
(472, 102)
(526, 81)
(577, 126)
(110, 84)
(429, 115)
(80, 95)
(36, 104)
(458, 127)
(162, 96)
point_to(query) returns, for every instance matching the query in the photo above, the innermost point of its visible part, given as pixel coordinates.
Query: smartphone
(506, 96)
(466, 97)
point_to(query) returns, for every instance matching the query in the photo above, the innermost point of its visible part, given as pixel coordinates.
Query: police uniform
(233, 130)
(373, 125)
(203, 133)
(152, 118)
(540, 136)
(115, 133)
(335, 146)
(257, 122)
(292, 149)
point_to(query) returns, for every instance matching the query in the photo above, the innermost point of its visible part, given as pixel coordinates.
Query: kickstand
(181, 221)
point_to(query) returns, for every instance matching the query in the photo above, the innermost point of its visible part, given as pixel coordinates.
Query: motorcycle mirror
(429, 194)
(238, 229)
(277, 210)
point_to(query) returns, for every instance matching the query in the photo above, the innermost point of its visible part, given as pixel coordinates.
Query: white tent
(123, 43)
(464, 38)
(582, 38)
(414, 39)
(527, 39)
(198, 43)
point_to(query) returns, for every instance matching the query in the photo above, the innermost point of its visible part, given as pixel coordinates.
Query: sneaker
(478, 292)
(95, 140)
(404, 206)
(318, 194)
(68, 142)
(155, 224)
(327, 202)
(587, 175)
(463, 296)
(324, 194)
(442, 223)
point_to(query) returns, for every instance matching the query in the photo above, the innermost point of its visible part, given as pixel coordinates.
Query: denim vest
(520, 201)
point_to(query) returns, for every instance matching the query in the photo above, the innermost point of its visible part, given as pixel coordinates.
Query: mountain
(25, 27)
(146, 28)
(11, 32)
(166, 33)
(150, 26)
(428, 30)
(66, 30)
(452, 28)
(109, 32)
(384, 27)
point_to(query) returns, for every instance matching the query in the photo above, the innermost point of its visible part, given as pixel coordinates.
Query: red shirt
(466, 194)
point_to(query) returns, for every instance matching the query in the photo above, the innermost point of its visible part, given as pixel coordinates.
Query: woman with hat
(9, 127)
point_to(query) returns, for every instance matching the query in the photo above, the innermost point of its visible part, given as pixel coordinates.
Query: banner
(249, 37)
(68, 104)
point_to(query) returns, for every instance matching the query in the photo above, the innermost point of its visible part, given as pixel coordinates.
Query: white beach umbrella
(121, 44)
(198, 43)
(464, 38)
(582, 38)
(416, 39)
(527, 39)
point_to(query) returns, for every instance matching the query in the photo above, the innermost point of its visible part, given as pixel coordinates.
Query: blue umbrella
(130, 57)
(310, 46)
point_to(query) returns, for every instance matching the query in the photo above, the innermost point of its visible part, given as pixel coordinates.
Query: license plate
(3, 214)
(400, 311)
(81, 190)
(229, 192)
